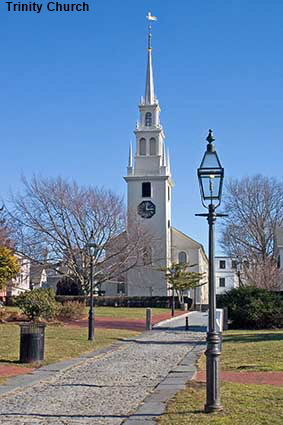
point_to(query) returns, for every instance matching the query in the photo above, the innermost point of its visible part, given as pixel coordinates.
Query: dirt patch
(260, 378)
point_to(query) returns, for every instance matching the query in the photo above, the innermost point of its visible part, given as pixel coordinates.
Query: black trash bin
(32, 342)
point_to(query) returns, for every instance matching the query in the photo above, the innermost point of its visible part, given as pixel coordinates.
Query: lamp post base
(212, 373)
(213, 409)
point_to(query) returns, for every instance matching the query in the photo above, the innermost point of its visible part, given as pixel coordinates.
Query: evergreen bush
(38, 303)
(250, 307)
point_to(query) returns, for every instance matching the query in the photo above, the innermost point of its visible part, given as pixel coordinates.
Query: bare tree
(54, 218)
(255, 208)
(5, 232)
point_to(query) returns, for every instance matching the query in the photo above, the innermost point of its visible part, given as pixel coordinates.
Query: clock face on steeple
(146, 209)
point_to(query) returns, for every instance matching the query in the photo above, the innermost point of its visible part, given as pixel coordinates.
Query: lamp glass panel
(211, 187)
(210, 161)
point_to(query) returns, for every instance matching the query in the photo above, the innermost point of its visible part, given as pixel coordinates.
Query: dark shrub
(252, 308)
(68, 286)
(71, 310)
(38, 303)
(124, 301)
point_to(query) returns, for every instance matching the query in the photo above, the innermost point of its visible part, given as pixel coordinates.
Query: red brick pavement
(129, 324)
(267, 378)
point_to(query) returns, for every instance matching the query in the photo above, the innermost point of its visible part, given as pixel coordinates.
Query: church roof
(197, 244)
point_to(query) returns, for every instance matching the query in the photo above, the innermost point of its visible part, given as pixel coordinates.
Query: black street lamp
(91, 249)
(210, 175)
(173, 272)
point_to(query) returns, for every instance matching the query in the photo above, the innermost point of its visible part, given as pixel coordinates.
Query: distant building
(21, 282)
(227, 274)
(38, 276)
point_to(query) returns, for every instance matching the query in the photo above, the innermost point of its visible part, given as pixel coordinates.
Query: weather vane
(150, 18)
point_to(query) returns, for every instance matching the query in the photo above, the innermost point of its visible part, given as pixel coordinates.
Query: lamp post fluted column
(90, 314)
(213, 337)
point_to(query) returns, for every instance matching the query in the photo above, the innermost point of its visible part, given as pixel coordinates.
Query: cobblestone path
(101, 390)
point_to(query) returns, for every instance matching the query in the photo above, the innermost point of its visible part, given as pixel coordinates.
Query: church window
(146, 190)
(148, 119)
(222, 282)
(147, 256)
(168, 193)
(121, 288)
(142, 146)
(152, 146)
(169, 224)
(182, 257)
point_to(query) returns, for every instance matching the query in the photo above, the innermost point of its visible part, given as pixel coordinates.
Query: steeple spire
(149, 86)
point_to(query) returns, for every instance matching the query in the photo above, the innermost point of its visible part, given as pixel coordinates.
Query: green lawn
(61, 342)
(126, 312)
(253, 350)
(243, 404)
(117, 312)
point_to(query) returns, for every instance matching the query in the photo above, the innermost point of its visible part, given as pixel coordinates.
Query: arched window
(142, 146)
(152, 146)
(182, 257)
(148, 119)
(147, 256)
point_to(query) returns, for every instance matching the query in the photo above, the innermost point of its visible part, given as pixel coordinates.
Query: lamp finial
(210, 137)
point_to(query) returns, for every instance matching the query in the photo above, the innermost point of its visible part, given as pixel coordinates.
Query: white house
(38, 276)
(21, 282)
(227, 274)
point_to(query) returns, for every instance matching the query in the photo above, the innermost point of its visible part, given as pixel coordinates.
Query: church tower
(149, 192)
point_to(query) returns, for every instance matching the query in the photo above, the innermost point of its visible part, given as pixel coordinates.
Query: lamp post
(173, 294)
(210, 176)
(91, 249)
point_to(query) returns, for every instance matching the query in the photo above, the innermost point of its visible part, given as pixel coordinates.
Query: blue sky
(71, 82)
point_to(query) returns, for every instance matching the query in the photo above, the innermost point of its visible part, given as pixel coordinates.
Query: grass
(61, 343)
(117, 312)
(127, 312)
(243, 404)
(253, 351)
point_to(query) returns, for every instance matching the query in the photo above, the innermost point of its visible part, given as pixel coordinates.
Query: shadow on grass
(249, 337)
(16, 362)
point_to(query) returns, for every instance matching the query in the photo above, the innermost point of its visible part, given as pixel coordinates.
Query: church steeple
(150, 154)
(149, 186)
(149, 85)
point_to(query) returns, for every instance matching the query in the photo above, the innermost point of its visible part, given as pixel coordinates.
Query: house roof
(36, 271)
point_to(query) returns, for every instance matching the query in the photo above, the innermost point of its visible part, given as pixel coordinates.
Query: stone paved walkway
(109, 388)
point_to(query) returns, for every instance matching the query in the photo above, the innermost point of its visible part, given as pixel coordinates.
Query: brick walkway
(260, 378)
(129, 324)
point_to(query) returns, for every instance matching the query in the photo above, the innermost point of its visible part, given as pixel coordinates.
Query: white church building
(149, 186)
